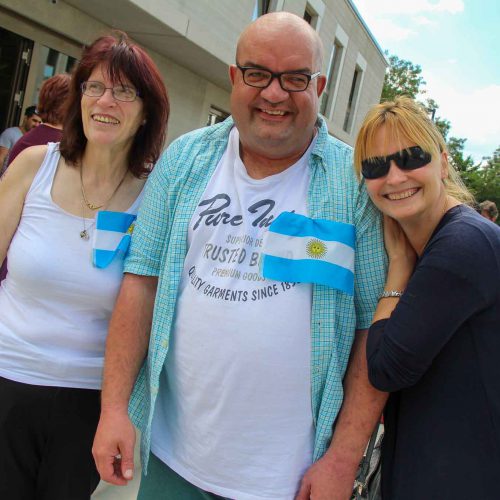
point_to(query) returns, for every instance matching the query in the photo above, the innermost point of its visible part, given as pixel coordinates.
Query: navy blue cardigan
(439, 355)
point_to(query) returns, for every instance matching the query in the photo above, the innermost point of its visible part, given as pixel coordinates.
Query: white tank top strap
(134, 208)
(42, 182)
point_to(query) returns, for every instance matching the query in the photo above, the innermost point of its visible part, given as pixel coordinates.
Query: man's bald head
(288, 25)
(275, 123)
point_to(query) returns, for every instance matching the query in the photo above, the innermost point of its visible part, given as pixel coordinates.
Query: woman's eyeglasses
(119, 92)
(407, 159)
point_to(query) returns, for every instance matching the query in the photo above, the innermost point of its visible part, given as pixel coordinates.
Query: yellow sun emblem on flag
(130, 230)
(316, 249)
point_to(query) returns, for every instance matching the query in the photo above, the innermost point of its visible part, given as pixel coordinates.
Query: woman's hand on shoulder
(402, 260)
(402, 256)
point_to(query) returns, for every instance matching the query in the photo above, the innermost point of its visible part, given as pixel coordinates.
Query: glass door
(15, 58)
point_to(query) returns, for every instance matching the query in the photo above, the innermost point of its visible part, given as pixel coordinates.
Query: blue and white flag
(299, 249)
(111, 237)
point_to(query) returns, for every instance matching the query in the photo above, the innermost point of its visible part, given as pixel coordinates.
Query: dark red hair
(52, 99)
(123, 60)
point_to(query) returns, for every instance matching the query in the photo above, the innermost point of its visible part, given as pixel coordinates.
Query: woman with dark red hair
(67, 211)
(51, 104)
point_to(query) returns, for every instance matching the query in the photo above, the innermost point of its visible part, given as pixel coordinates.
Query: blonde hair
(406, 119)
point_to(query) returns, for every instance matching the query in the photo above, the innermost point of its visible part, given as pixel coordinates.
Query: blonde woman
(435, 340)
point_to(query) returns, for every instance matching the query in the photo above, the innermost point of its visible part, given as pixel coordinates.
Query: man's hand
(126, 348)
(113, 447)
(332, 477)
(328, 479)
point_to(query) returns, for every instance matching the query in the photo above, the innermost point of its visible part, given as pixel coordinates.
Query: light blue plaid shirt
(159, 245)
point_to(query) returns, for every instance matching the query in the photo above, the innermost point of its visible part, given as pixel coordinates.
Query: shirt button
(164, 344)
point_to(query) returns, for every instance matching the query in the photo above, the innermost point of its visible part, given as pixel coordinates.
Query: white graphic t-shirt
(233, 415)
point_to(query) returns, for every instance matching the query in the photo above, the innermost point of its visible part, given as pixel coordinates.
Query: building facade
(193, 42)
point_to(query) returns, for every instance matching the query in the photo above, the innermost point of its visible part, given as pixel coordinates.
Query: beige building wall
(65, 28)
(193, 42)
(360, 47)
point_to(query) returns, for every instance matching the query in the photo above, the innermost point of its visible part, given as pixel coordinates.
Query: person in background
(51, 104)
(434, 343)
(11, 135)
(58, 202)
(245, 376)
(489, 210)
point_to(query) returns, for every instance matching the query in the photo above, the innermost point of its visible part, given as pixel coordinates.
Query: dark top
(439, 355)
(42, 134)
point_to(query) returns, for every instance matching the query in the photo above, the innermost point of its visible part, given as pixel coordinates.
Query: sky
(457, 45)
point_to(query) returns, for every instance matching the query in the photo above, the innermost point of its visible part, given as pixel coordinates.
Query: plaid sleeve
(151, 227)
(371, 259)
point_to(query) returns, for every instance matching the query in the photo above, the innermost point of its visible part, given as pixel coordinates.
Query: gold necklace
(92, 206)
(84, 233)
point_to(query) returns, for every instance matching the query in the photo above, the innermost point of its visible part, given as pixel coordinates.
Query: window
(50, 62)
(216, 115)
(314, 12)
(308, 16)
(56, 63)
(264, 6)
(357, 82)
(353, 94)
(330, 91)
(261, 7)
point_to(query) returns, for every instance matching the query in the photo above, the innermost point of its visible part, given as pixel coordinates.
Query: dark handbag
(367, 485)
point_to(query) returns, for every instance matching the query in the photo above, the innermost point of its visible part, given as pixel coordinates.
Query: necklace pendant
(84, 235)
(91, 206)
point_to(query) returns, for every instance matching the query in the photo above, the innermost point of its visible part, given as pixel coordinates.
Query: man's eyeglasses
(290, 81)
(407, 159)
(119, 92)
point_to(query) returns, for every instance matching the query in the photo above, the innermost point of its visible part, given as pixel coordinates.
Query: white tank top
(54, 304)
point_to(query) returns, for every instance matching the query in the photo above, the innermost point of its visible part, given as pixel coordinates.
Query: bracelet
(390, 293)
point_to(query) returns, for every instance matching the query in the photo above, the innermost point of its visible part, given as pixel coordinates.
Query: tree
(402, 78)
(484, 180)
(432, 106)
(443, 125)
(456, 156)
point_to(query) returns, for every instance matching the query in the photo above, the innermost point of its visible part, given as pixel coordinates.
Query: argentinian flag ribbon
(111, 237)
(300, 249)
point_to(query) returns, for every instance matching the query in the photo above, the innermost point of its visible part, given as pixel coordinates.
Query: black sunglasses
(407, 159)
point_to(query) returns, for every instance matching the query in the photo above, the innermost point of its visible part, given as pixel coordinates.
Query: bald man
(243, 377)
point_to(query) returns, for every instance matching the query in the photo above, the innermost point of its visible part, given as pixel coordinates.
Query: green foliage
(456, 156)
(484, 180)
(404, 78)
(432, 106)
(443, 126)
(401, 78)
